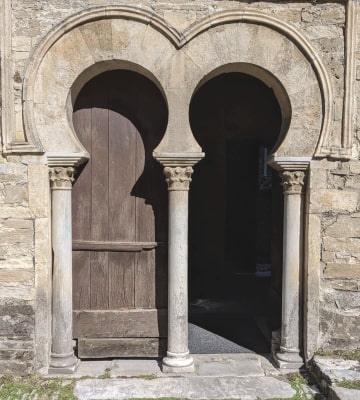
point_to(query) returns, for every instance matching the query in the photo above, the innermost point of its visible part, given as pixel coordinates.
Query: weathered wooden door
(120, 219)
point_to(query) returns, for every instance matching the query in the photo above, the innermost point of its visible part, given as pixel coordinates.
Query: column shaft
(178, 273)
(289, 354)
(178, 358)
(62, 358)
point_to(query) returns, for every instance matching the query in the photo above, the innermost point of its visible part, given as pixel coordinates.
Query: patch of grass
(34, 387)
(106, 374)
(344, 354)
(147, 377)
(349, 384)
(299, 383)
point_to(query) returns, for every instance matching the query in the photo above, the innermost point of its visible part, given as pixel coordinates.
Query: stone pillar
(178, 359)
(62, 358)
(289, 354)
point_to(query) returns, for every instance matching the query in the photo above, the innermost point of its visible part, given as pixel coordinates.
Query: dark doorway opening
(235, 231)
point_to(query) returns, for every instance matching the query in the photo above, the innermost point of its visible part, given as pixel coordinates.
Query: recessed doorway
(236, 211)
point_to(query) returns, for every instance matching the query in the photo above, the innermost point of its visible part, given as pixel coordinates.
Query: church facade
(156, 150)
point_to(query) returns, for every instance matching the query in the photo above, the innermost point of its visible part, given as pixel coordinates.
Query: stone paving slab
(195, 387)
(330, 370)
(339, 393)
(241, 365)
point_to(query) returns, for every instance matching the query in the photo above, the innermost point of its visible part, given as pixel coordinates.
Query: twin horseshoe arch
(125, 37)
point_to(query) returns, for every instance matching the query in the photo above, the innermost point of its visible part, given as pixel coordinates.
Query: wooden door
(120, 219)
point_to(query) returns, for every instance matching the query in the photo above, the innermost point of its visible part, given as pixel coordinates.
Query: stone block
(322, 200)
(19, 291)
(333, 14)
(349, 245)
(352, 182)
(318, 178)
(16, 276)
(354, 167)
(16, 319)
(344, 226)
(346, 285)
(16, 194)
(39, 189)
(328, 256)
(342, 271)
(339, 331)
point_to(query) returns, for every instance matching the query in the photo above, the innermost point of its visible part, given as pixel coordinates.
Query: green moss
(349, 384)
(344, 354)
(106, 374)
(36, 388)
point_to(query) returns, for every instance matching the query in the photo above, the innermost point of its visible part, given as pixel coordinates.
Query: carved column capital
(293, 181)
(178, 178)
(61, 177)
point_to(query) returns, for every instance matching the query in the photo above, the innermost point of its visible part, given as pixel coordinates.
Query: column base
(178, 363)
(288, 359)
(63, 363)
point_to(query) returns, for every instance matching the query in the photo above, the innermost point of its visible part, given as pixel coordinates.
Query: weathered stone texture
(340, 255)
(16, 336)
(16, 269)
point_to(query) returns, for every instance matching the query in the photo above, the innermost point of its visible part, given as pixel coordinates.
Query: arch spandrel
(225, 37)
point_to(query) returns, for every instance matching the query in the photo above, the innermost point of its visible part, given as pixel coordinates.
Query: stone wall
(333, 196)
(24, 264)
(336, 201)
(16, 268)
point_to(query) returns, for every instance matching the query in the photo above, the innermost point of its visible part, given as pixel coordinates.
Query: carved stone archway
(118, 37)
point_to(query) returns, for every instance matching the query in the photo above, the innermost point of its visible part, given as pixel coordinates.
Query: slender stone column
(62, 358)
(178, 358)
(289, 354)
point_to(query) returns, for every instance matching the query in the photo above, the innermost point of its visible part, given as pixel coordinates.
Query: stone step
(194, 387)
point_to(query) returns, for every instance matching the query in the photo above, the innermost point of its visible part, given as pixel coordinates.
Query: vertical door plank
(81, 212)
(145, 220)
(100, 201)
(81, 280)
(151, 202)
(145, 290)
(161, 276)
(121, 280)
(122, 144)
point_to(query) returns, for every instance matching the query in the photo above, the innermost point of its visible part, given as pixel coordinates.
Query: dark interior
(235, 232)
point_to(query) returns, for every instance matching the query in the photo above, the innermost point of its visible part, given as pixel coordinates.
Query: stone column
(178, 358)
(62, 358)
(289, 354)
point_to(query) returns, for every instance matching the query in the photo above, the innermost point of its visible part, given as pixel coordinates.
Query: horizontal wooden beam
(92, 245)
(128, 347)
(120, 324)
